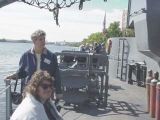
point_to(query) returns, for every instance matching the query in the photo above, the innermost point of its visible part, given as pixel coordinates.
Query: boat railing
(6, 100)
(6, 93)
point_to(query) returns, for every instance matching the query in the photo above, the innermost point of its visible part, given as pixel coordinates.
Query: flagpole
(104, 23)
(104, 30)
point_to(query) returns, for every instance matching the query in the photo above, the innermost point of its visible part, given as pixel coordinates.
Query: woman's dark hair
(37, 78)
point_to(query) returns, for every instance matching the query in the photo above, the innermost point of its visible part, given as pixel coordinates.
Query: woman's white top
(29, 109)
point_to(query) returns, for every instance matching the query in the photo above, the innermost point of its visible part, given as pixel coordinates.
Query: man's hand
(13, 77)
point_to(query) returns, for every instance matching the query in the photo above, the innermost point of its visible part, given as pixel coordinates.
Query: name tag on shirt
(47, 61)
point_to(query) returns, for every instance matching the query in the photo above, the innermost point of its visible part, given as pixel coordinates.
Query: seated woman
(37, 103)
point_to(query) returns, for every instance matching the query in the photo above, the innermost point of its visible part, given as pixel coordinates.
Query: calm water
(10, 54)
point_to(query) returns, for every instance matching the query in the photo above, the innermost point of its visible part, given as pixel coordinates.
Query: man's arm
(21, 73)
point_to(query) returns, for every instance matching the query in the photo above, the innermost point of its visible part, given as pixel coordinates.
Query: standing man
(38, 58)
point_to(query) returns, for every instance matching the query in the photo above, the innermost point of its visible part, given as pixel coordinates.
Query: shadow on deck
(113, 108)
(125, 102)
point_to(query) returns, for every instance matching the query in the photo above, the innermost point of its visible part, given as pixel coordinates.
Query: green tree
(94, 37)
(128, 32)
(114, 30)
(99, 37)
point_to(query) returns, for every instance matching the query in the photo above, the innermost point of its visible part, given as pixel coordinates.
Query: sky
(19, 20)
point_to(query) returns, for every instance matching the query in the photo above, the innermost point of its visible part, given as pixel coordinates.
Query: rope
(4, 89)
(81, 4)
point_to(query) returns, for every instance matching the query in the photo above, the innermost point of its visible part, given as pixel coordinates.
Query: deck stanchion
(143, 76)
(148, 81)
(153, 96)
(130, 71)
(138, 74)
(158, 101)
(8, 100)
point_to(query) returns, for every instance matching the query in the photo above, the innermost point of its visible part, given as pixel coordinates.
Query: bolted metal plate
(75, 97)
(74, 81)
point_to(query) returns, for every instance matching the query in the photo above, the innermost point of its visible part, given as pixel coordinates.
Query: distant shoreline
(74, 44)
(20, 41)
(15, 41)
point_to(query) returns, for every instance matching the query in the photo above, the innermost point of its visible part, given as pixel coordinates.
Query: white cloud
(19, 20)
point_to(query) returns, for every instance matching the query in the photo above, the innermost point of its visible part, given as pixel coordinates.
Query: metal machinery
(144, 17)
(84, 77)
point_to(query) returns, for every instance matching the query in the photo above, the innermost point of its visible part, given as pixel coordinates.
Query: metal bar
(106, 89)
(8, 100)
(118, 59)
(106, 78)
(129, 11)
(4, 90)
(102, 87)
(122, 59)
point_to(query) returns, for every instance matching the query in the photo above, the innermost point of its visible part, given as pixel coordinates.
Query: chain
(55, 5)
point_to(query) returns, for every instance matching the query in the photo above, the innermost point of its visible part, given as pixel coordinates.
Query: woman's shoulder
(28, 109)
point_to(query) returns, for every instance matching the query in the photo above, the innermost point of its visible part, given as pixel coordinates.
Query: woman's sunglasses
(46, 86)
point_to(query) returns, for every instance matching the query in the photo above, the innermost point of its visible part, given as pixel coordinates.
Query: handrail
(4, 89)
(8, 100)
(7, 90)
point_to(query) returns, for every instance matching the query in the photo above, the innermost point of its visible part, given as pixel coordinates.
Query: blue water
(10, 54)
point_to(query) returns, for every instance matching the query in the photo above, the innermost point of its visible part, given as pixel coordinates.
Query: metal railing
(8, 104)
(8, 100)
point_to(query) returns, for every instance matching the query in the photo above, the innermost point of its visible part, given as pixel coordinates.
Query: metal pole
(8, 100)
(122, 59)
(106, 79)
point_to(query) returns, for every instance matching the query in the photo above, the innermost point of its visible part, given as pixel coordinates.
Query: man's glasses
(46, 86)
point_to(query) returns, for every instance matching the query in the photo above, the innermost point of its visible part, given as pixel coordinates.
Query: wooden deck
(125, 102)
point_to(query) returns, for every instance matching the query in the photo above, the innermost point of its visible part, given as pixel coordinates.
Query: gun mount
(84, 77)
